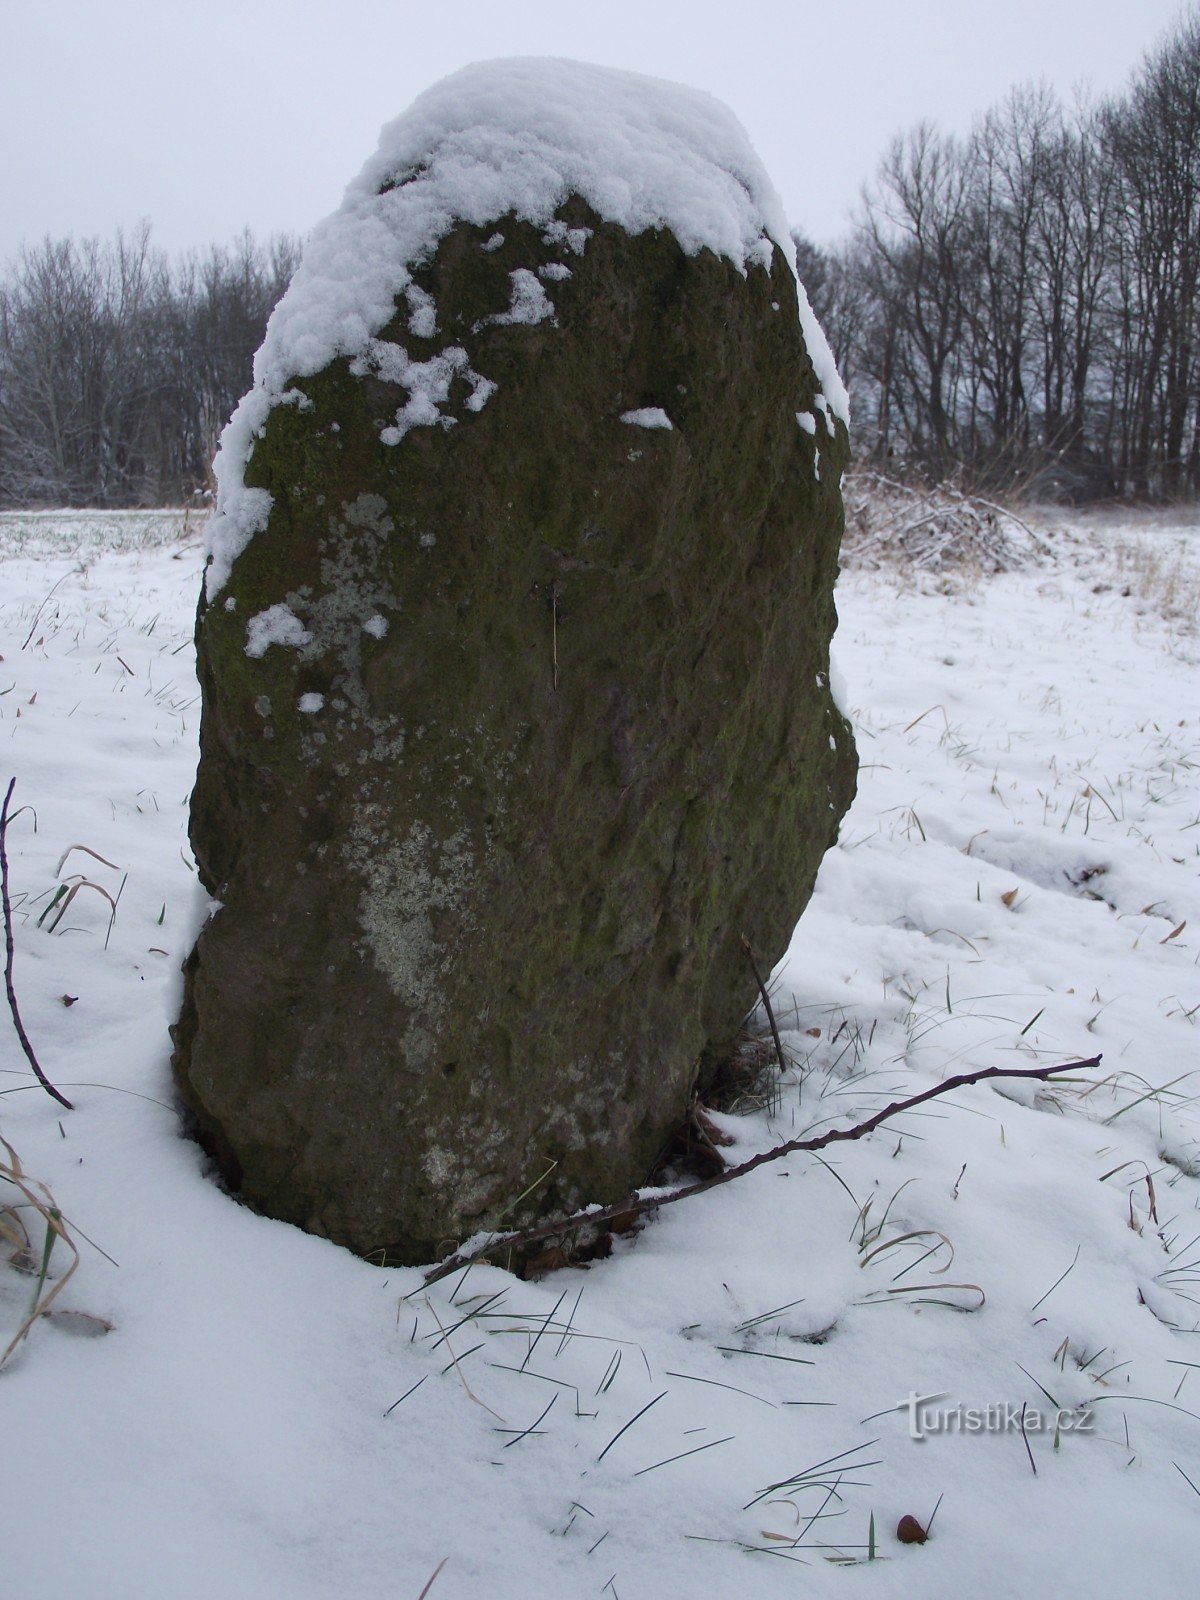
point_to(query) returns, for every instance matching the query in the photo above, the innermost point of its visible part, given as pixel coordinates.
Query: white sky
(208, 116)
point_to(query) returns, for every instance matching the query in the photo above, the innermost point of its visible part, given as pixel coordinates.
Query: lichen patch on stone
(403, 894)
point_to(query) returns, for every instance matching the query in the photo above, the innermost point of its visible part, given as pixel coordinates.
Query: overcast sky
(212, 115)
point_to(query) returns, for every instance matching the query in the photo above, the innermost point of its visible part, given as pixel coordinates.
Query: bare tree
(1028, 296)
(78, 378)
(833, 281)
(117, 374)
(914, 240)
(1020, 300)
(1153, 141)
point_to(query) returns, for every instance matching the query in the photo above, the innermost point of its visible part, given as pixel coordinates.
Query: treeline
(119, 368)
(1021, 306)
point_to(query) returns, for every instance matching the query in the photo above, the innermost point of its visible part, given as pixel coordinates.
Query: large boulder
(514, 659)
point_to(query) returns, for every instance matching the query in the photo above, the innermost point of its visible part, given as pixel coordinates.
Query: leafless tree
(1026, 298)
(117, 372)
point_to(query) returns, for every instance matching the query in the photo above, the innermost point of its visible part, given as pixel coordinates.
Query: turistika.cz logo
(926, 1417)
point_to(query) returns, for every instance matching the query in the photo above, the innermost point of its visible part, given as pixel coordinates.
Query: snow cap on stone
(514, 136)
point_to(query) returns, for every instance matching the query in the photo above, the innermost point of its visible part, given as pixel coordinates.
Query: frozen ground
(720, 1409)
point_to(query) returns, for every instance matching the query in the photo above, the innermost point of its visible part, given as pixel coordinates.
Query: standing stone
(514, 660)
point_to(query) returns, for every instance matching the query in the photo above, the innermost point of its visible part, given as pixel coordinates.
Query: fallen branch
(10, 951)
(1043, 545)
(639, 1205)
(932, 528)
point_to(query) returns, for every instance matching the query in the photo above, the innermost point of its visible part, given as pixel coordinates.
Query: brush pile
(935, 530)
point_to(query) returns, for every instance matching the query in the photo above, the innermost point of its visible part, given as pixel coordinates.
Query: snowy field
(221, 1405)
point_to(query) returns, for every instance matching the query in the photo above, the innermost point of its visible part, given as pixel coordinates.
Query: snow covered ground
(723, 1407)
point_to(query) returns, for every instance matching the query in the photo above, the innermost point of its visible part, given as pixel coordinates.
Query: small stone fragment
(910, 1531)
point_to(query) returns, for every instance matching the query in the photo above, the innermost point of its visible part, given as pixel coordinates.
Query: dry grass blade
(13, 1231)
(683, 1454)
(1025, 1440)
(635, 1418)
(37, 614)
(115, 903)
(934, 1294)
(41, 1201)
(10, 955)
(766, 1003)
(63, 901)
(454, 1362)
(825, 1474)
(88, 851)
(908, 1238)
(432, 1579)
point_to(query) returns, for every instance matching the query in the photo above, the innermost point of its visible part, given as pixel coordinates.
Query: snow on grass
(88, 534)
(721, 1407)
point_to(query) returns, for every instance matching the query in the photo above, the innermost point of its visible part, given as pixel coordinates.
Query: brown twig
(636, 1205)
(10, 951)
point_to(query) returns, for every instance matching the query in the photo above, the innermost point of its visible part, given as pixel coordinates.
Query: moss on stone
(483, 909)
